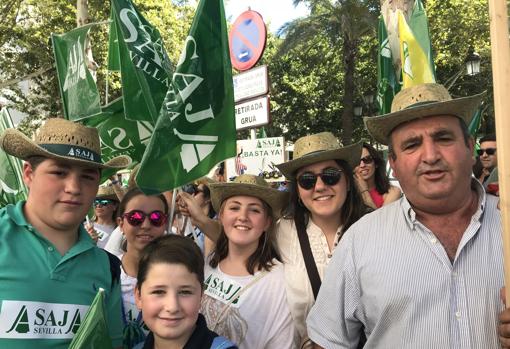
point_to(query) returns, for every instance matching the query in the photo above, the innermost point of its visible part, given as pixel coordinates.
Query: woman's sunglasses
(137, 217)
(489, 151)
(329, 176)
(102, 202)
(367, 159)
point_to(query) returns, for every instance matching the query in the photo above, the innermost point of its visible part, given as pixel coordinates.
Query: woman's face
(104, 209)
(323, 200)
(244, 220)
(138, 236)
(200, 197)
(366, 168)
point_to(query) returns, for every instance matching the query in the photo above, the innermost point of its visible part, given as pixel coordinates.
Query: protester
(50, 269)
(105, 216)
(141, 219)
(488, 157)
(425, 272)
(245, 297)
(169, 293)
(372, 180)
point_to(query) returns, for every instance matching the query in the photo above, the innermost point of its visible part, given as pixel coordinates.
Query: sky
(274, 12)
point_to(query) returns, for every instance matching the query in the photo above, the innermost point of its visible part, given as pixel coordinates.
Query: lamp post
(472, 62)
(358, 109)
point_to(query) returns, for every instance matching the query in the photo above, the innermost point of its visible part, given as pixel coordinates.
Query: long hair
(382, 183)
(266, 250)
(352, 209)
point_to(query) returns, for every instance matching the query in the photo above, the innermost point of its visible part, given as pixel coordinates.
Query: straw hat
(319, 147)
(106, 192)
(418, 102)
(248, 185)
(62, 140)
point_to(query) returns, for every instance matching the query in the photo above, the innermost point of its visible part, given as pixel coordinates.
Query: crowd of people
(340, 259)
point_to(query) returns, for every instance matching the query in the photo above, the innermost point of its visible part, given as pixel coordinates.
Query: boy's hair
(171, 249)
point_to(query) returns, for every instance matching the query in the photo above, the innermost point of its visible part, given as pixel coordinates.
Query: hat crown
(251, 179)
(323, 141)
(418, 95)
(105, 190)
(61, 131)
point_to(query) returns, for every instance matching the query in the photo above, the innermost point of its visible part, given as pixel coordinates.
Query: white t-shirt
(259, 319)
(104, 232)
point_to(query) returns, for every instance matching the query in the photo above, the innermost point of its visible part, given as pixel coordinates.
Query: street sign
(247, 40)
(252, 113)
(251, 83)
(257, 157)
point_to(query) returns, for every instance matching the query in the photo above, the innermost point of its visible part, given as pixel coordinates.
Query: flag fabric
(12, 188)
(196, 127)
(113, 45)
(387, 84)
(93, 331)
(77, 86)
(144, 64)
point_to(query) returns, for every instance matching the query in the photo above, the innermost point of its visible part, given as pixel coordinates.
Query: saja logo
(75, 66)
(25, 320)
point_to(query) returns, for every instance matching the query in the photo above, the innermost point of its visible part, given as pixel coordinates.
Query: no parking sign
(247, 40)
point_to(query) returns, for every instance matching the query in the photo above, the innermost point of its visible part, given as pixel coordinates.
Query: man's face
(433, 163)
(60, 194)
(488, 161)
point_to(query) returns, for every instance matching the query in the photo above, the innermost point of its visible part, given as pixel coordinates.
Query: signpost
(251, 83)
(252, 113)
(247, 40)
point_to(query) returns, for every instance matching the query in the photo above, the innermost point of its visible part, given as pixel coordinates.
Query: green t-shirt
(44, 296)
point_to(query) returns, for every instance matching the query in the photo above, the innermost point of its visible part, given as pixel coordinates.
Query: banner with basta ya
(196, 126)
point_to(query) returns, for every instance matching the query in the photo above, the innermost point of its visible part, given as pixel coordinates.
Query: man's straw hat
(418, 102)
(106, 192)
(319, 147)
(248, 185)
(61, 139)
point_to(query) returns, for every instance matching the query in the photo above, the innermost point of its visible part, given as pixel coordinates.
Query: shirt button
(457, 315)
(50, 249)
(433, 240)
(454, 273)
(330, 255)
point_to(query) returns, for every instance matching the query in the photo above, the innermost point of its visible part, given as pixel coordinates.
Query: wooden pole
(500, 47)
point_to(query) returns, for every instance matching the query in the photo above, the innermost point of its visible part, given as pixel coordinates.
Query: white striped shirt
(391, 275)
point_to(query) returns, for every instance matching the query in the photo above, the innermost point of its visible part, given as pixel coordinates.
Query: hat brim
(380, 127)
(274, 198)
(351, 154)
(15, 143)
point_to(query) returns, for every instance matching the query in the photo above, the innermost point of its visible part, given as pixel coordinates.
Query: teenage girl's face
(169, 299)
(139, 236)
(366, 169)
(244, 220)
(105, 211)
(323, 200)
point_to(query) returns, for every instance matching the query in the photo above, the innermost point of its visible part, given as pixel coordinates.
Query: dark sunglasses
(137, 217)
(192, 189)
(330, 176)
(489, 151)
(102, 202)
(367, 159)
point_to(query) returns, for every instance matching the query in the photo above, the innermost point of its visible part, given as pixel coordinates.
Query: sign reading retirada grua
(252, 113)
(251, 83)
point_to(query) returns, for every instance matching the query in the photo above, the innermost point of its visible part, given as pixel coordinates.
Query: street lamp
(472, 62)
(368, 99)
(358, 109)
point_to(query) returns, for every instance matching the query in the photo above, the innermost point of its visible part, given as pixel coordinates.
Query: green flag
(387, 83)
(144, 64)
(196, 127)
(93, 331)
(113, 46)
(77, 87)
(420, 26)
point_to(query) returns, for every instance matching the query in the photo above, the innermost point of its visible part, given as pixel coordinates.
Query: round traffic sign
(247, 40)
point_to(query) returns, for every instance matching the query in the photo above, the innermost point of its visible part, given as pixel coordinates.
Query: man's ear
(28, 173)
(392, 165)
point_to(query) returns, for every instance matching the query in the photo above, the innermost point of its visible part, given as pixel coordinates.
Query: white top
(299, 289)
(393, 276)
(259, 319)
(104, 232)
(114, 244)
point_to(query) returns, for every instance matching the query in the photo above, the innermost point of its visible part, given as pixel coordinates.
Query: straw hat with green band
(319, 147)
(249, 185)
(418, 102)
(62, 140)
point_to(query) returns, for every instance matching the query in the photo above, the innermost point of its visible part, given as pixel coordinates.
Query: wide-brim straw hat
(106, 192)
(418, 102)
(319, 147)
(61, 139)
(249, 185)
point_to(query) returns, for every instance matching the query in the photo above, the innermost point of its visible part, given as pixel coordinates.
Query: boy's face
(60, 194)
(170, 300)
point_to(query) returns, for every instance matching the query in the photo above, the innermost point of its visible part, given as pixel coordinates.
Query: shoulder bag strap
(311, 267)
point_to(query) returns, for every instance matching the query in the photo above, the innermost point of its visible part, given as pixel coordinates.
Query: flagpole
(500, 49)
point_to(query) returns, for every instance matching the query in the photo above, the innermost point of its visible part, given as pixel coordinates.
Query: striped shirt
(391, 275)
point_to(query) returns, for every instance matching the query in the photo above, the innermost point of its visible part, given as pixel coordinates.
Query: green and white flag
(196, 127)
(144, 64)
(387, 84)
(12, 188)
(77, 87)
(113, 45)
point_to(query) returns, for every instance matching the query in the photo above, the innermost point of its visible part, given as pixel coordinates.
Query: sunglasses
(489, 151)
(192, 189)
(102, 202)
(329, 176)
(367, 159)
(137, 217)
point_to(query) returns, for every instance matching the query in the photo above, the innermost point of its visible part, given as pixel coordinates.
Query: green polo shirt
(44, 296)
